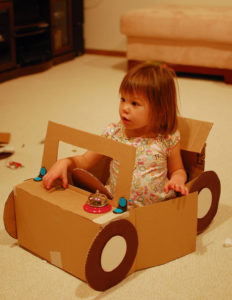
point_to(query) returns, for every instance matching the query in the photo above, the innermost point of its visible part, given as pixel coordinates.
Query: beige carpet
(83, 93)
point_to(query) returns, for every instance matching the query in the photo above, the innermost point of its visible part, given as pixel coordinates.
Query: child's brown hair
(155, 83)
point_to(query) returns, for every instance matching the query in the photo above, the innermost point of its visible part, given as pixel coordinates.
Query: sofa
(189, 38)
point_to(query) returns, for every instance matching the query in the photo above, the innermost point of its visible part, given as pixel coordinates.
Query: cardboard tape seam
(56, 258)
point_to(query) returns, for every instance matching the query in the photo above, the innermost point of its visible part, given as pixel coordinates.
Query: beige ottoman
(193, 39)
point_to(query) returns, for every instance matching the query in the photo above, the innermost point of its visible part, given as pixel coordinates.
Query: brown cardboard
(97, 277)
(54, 226)
(9, 216)
(210, 181)
(110, 148)
(167, 229)
(4, 137)
(55, 222)
(193, 134)
(87, 181)
(193, 137)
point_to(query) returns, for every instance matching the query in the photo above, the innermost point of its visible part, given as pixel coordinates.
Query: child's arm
(176, 172)
(60, 169)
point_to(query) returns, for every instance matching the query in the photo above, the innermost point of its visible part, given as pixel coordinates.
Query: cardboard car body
(102, 249)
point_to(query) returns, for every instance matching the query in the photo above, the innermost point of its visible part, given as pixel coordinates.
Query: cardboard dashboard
(102, 249)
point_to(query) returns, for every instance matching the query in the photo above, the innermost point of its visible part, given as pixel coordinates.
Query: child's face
(134, 112)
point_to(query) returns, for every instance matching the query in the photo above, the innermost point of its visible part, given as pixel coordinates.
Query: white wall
(102, 19)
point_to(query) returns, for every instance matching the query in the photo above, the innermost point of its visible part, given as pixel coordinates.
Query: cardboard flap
(167, 230)
(193, 134)
(86, 180)
(125, 154)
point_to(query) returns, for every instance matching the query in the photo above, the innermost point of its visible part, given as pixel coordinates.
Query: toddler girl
(148, 121)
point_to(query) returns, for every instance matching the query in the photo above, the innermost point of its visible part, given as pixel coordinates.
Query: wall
(102, 19)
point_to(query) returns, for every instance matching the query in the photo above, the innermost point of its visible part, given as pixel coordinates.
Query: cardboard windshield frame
(123, 153)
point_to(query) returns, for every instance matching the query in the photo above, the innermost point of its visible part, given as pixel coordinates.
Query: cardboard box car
(102, 249)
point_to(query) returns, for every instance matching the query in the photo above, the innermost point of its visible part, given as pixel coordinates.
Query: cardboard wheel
(9, 216)
(97, 276)
(211, 181)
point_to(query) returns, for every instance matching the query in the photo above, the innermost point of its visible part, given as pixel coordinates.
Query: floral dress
(150, 170)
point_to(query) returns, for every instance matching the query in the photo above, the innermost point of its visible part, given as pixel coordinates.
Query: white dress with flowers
(150, 170)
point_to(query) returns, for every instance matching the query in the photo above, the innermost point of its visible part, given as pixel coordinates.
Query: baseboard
(106, 52)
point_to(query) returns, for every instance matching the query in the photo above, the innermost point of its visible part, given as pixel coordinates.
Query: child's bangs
(134, 85)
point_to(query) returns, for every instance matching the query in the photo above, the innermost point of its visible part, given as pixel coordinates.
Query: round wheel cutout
(113, 253)
(207, 180)
(9, 216)
(204, 202)
(101, 273)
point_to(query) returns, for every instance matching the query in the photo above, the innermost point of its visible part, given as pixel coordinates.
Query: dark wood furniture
(36, 34)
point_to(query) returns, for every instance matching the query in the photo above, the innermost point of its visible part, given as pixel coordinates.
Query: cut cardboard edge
(85, 179)
(193, 134)
(193, 138)
(142, 218)
(5, 137)
(9, 216)
(46, 217)
(96, 276)
(69, 205)
(107, 147)
(186, 235)
(66, 203)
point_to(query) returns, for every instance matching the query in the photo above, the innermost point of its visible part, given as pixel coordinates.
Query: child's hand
(57, 171)
(176, 186)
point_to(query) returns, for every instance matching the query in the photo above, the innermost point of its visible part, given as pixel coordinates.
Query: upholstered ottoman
(193, 39)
